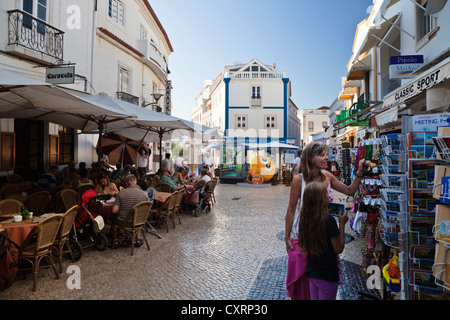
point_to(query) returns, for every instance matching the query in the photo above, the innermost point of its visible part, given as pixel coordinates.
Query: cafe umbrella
(147, 125)
(22, 97)
(120, 149)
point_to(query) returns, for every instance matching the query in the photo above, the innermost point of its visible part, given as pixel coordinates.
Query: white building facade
(252, 102)
(118, 48)
(313, 121)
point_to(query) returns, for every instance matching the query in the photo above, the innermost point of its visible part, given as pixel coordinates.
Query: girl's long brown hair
(306, 164)
(313, 219)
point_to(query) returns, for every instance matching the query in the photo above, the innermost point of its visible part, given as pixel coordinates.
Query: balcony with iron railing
(128, 97)
(34, 38)
(153, 57)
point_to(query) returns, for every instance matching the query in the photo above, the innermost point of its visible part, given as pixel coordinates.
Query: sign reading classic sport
(418, 86)
(61, 75)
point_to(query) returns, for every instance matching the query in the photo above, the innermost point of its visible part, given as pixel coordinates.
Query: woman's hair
(313, 219)
(306, 164)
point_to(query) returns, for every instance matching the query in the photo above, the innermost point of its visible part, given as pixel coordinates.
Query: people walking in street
(313, 165)
(296, 165)
(321, 240)
(179, 161)
(167, 163)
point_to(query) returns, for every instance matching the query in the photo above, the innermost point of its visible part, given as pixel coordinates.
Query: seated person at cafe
(165, 178)
(179, 177)
(83, 173)
(105, 186)
(125, 201)
(72, 180)
(47, 181)
(155, 179)
(205, 175)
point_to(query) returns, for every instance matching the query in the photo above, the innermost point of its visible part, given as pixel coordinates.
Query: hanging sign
(60, 75)
(404, 66)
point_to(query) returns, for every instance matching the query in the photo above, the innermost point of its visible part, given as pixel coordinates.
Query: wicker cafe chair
(69, 198)
(62, 238)
(211, 184)
(38, 202)
(177, 209)
(164, 187)
(8, 190)
(135, 223)
(38, 245)
(11, 206)
(166, 211)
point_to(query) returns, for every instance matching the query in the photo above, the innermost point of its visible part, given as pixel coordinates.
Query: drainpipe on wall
(94, 32)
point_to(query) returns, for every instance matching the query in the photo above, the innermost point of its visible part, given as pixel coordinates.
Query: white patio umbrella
(21, 97)
(147, 125)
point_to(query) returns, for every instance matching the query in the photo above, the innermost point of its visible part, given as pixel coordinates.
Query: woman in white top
(313, 165)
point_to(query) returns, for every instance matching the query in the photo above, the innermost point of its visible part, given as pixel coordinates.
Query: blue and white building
(251, 103)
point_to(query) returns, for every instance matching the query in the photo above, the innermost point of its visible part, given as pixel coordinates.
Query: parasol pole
(160, 147)
(99, 152)
(123, 152)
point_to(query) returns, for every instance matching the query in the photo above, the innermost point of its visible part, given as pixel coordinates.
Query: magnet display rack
(416, 260)
(394, 200)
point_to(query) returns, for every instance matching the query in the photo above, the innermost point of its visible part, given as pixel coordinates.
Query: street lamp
(156, 97)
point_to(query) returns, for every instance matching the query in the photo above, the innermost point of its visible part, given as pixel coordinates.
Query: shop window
(8, 150)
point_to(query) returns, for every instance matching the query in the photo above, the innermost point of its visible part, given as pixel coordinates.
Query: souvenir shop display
(368, 205)
(428, 259)
(346, 166)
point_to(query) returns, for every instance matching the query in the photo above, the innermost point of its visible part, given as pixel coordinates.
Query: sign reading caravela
(61, 75)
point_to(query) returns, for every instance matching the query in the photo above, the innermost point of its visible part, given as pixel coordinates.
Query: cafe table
(18, 231)
(162, 196)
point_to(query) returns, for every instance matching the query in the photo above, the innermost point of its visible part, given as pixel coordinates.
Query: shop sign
(404, 66)
(60, 75)
(430, 122)
(418, 86)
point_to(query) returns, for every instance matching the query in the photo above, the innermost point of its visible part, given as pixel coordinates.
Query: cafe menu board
(193, 156)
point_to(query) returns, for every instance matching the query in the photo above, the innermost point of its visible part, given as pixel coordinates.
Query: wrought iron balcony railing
(35, 34)
(128, 97)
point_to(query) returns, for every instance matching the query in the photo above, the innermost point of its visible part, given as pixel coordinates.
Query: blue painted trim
(286, 111)
(227, 103)
(273, 108)
(238, 107)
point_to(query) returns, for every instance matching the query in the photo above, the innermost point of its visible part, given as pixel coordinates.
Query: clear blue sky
(309, 40)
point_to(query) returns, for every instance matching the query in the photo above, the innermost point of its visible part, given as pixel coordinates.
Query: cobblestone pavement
(235, 252)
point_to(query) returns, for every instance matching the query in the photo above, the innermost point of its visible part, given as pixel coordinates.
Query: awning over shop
(387, 116)
(360, 64)
(377, 33)
(341, 138)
